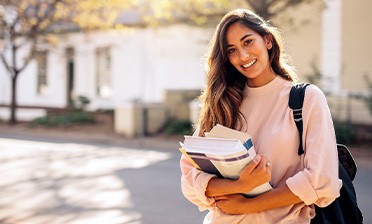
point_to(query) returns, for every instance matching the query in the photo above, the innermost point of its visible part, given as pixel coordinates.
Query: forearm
(237, 204)
(275, 198)
(221, 186)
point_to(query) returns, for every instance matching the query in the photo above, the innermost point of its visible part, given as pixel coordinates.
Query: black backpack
(344, 210)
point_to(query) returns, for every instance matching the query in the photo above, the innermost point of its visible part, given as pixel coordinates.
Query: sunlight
(81, 181)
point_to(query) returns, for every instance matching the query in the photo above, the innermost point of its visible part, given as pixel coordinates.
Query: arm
(194, 183)
(238, 204)
(318, 182)
(200, 188)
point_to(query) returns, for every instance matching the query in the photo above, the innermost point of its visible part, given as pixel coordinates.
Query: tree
(25, 24)
(210, 11)
(269, 9)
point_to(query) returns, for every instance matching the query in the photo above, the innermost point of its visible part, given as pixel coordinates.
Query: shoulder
(315, 98)
(313, 92)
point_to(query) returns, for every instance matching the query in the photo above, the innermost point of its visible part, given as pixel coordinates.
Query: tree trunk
(261, 7)
(13, 103)
(14, 75)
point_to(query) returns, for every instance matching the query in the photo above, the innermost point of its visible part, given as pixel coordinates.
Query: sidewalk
(105, 136)
(89, 136)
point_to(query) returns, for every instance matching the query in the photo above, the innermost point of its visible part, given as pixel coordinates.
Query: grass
(178, 127)
(65, 119)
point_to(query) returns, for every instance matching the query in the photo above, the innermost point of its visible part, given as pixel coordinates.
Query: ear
(268, 41)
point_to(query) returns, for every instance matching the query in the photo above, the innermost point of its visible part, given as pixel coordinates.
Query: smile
(249, 64)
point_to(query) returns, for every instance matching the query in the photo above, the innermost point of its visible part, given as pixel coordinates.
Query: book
(223, 152)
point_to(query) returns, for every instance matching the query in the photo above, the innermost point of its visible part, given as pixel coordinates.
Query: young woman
(248, 85)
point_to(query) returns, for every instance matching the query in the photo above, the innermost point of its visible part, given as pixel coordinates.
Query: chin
(249, 75)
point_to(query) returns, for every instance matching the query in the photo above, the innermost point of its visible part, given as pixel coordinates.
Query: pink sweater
(312, 176)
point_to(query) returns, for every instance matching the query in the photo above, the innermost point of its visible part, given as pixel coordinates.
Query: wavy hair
(223, 93)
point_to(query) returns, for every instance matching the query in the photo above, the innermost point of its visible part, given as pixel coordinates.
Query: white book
(224, 152)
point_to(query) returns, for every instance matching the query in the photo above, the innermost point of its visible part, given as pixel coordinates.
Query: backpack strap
(296, 102)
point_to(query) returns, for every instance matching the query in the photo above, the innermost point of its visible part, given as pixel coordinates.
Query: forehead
(236, 31)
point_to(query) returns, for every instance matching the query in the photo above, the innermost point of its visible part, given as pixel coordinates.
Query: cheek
(267, 56)
(233, 60)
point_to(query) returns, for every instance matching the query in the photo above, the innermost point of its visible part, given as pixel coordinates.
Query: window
(42, 70)
(103, 63)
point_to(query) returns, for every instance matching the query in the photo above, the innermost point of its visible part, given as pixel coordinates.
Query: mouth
(248, 65)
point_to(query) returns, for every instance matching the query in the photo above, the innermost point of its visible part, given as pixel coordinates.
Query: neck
(262, 79)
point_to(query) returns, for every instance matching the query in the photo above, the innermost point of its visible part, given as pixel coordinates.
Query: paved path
(68, 183)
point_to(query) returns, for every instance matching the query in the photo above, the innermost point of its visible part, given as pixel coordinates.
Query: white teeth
(249, 64)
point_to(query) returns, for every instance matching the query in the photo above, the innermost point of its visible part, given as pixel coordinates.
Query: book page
(220, 131)
(214, 146)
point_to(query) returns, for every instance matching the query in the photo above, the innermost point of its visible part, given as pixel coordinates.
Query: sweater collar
(266, 89)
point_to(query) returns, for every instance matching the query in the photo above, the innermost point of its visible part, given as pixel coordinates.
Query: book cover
(223, 152)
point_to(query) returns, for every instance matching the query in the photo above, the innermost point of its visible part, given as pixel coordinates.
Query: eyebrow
(241, 39)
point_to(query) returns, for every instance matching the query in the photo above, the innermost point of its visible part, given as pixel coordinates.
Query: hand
(256, 173)
(232, 204)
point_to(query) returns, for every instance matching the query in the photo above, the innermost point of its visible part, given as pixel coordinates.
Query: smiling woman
(248, 53)
(247, 89)
(241, 33)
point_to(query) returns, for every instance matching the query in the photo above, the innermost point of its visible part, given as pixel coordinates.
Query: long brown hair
(223, 93)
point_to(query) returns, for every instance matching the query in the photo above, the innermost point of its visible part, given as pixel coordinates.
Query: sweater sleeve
(194, 184)
(318, 182)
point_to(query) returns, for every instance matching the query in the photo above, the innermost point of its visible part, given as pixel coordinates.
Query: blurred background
(128, 73)
(141, 62)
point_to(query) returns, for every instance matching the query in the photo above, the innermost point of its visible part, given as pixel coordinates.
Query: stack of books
(223, 152)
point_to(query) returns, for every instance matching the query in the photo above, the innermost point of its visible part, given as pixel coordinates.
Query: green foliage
(315, 75)
(368, 98)
(66, 119)
(345, 133)
(177, 127)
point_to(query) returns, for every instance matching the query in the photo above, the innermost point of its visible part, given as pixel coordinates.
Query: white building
(140, 64)
(111, 68)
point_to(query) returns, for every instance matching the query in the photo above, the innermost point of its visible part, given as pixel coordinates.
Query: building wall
(337, 40)
(302, 37)
(4, 84)
(144, 63)
(356, 44)
(331, 47)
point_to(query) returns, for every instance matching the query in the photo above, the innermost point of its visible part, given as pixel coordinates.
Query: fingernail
(257, 158)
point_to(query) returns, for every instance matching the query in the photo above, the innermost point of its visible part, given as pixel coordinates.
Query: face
(248, 53)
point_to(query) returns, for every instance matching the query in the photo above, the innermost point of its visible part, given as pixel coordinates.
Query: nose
(244, 55)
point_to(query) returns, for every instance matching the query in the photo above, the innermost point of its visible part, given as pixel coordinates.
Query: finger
(262, 164)
(267, 162)
(253, 164)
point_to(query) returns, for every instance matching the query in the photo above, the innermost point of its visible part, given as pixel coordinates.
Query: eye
(230, 50)
(247, 42)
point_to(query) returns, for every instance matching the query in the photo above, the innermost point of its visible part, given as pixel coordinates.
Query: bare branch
(29, 57)
(289, 4)
(6, 64)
